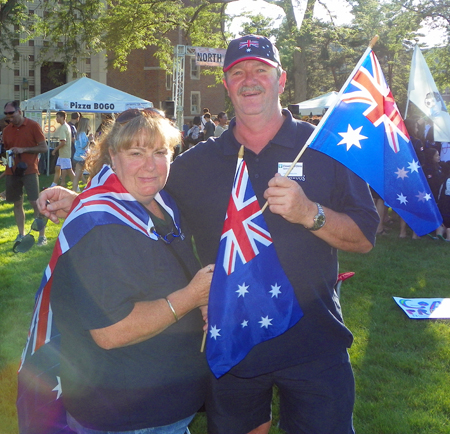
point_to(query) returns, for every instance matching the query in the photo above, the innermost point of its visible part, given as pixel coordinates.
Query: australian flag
(366, 133)
(251, 299)
(39, 399)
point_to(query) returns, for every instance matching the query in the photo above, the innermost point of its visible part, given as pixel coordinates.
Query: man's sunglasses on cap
(9, 113)
(130, 114)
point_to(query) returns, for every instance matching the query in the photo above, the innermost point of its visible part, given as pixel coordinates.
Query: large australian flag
(251, 299)
(366, 133)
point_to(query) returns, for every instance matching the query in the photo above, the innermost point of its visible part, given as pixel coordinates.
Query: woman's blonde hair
(122, 135)
(83, 126)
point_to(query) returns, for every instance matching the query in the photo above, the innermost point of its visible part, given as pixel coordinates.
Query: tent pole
(48, 142)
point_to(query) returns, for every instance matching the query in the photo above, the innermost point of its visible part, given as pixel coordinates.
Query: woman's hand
(55, 202)
(199, 286)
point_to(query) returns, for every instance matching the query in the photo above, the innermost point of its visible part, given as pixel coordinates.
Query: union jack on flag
(241, 230)
(251, 299)
(105, 201)
(373, 90)
(248, 44)
(366, 133)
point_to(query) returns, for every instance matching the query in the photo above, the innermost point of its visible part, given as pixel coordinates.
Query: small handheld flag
(251, 300)
(366, 133)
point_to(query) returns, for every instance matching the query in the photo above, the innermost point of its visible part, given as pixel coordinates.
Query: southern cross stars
(422, 196)
(402, 199)
(414, 166)
(275, 290)
(214, 332)
(242, 290)
(351, 137)
(402, 173)
(265, 322)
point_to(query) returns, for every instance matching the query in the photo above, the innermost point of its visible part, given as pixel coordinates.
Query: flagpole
(240, 157)
(409, 90)
(330, 109)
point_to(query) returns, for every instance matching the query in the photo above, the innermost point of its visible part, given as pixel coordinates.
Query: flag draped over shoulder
(366, 133)
(251, 300)
(423, 92)
(105, 201)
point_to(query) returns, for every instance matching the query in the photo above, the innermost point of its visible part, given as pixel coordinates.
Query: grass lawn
(402, 366)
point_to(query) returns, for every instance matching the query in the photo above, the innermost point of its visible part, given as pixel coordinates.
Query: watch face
(320, 221)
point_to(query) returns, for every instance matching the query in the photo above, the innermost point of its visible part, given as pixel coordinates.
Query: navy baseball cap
(251, 47)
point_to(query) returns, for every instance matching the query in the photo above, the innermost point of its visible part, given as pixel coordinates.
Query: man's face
(254, 87)
(59, 119)
(223, 120)
(12, 115)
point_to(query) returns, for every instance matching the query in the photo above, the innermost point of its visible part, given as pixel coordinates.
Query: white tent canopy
(315, 106)
(84, 95)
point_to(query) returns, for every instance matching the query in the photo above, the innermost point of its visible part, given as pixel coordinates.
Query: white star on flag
(402, 198)
(414, 166)
(402, 173)
(58, 388)
(275, 290)
(242, 290)
(214, 332)
(351, 137)
(244, 323)
(265, 322)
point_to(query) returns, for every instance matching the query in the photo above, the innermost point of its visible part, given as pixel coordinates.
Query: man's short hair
(61, 114)
(221, 115)
(75, 115)
(15, 104)
(207, 115)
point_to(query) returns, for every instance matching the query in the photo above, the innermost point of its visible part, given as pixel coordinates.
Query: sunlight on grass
(402, 366)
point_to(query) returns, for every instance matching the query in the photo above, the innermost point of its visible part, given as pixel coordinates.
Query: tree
(74, 28)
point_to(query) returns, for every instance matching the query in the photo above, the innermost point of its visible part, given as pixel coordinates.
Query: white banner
(96, 106)
(422, 91)
(210, 56)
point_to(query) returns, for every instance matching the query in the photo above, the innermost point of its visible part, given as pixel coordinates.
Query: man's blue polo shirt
(201, 180)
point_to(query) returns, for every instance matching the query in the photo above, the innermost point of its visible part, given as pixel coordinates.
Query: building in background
(23, 77)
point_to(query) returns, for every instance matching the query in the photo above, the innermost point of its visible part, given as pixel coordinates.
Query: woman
(81, 148)
(123, 296)
(194, 135)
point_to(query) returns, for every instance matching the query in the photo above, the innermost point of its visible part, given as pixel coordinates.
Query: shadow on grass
(401, 365)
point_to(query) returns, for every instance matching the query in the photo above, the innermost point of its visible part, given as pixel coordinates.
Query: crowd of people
(130, 297)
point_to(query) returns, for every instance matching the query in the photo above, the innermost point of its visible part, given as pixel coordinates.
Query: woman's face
(142, 170)
(436, 157)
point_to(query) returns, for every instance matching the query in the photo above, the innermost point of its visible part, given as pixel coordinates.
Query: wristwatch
(319, 219)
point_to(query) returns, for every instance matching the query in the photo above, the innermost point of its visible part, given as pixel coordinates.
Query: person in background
(81, 148)
(222, 126)
(25, 139)
(208, 128)
(73, 124)
(63, 168)
(194, 135)
(203, 120)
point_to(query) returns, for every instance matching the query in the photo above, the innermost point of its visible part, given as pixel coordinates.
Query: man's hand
(60, 201)
(286, 198)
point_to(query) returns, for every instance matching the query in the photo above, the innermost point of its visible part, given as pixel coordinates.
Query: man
(203, 120)
(24, 137)
(209, 127)
(63, 166)
(223, 119)
(323, 208)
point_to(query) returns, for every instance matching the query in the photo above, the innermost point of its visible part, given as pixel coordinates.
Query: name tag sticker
(296, 172)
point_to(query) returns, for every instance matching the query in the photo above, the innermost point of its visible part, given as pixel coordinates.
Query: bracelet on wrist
(172, 309)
